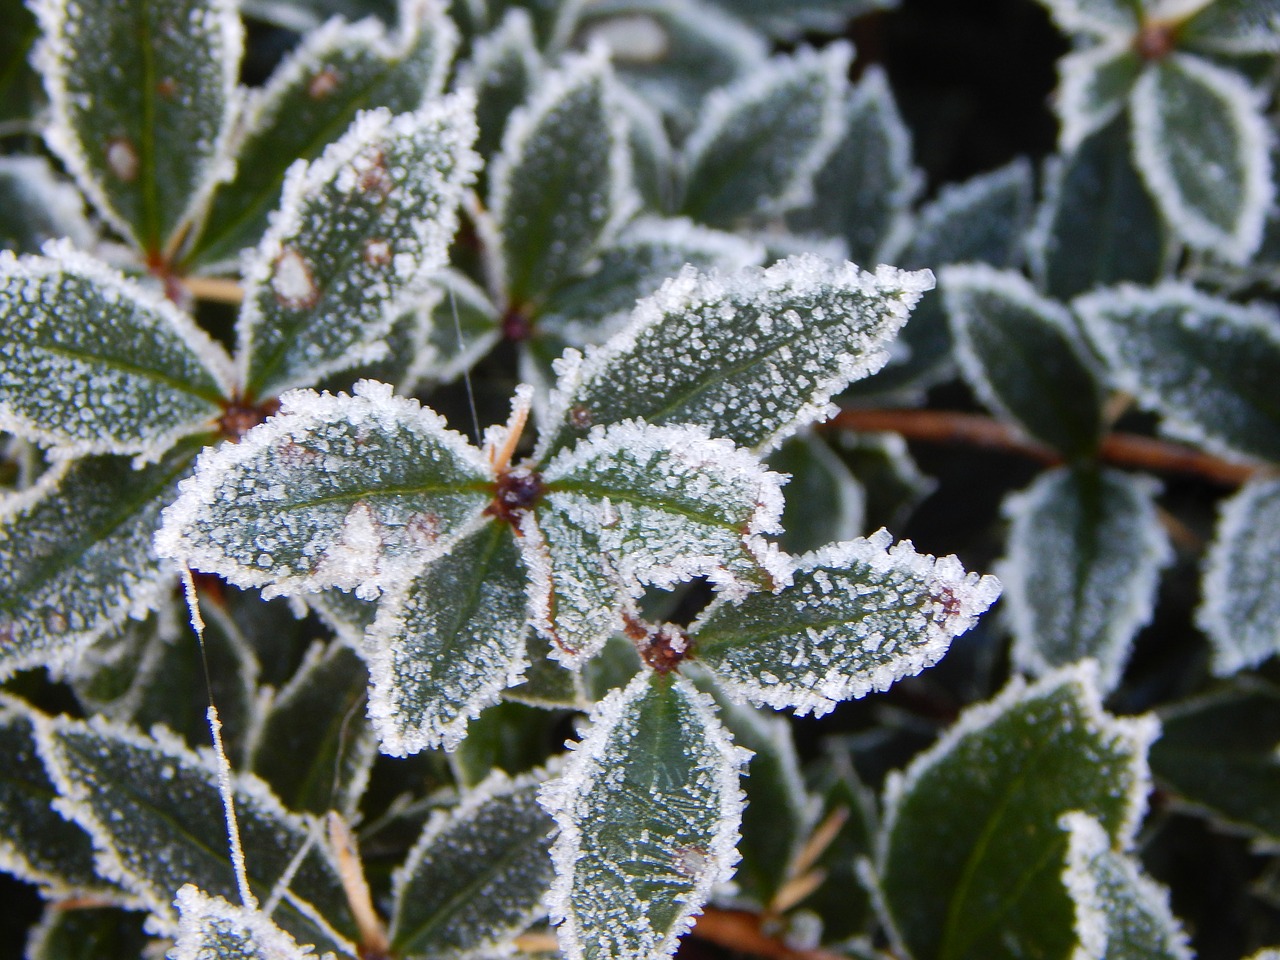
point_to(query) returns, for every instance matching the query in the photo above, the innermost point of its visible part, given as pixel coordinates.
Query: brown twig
(976, 430)
(741, 930)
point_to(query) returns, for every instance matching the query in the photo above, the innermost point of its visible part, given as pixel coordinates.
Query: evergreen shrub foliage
(291, 644)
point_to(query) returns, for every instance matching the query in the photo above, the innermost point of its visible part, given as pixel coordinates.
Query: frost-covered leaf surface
(91, 362)
(752, 356)
(76, 556)
(758, 143)
(857, 616)
(210, 928)
(1234, 27)
(448, 642)
(971, 853)
(502, 70)
(823, 500)
(785, 19)
(335, 491)
(156, 817)
(1240, 610)
(358, 229)
(309, 101)
(142, 97)
(1121, 913)
(648, 808)
(1094, 84)
(1201, 143)
(562, 182)
(91, 933)
(1081, 568)
(1208, 366)
(36, 205)
(1099, 18)
(477, 876)
(1020, 353)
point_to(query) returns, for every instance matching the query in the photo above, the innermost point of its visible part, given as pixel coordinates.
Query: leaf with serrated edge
(347, 491)
(1234, 28)
(144, 135)
(971, 853)
(1207, 366)
(311, 98)
(1081, 568)
(1201, 142)
(155, 813)
(648, 808)
(758, 143)
(36, 205)
(561, 185)
(210, 928)
(636, 504)
(91, 362)
(1092, 87)
(1120, 912)
(358, 230)
(1021, 354)
(1240, 611)
(76, 556)
(477, 876)
(752, 356)
(857, 617)
(448, 642)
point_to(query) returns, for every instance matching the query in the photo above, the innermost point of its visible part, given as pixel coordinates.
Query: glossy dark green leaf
(503, 70)
(509, 736)
(19, 84)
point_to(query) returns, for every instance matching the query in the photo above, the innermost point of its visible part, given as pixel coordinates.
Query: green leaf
(461, 327)
(91, 362)
(477, 876)
(37, 206)
(503, 70)
(314, 746)
(785, 19)
(210, 928)
(561, 186)
(1021, 354)
(824, 501)
(310, 100)
(1201, 143)
(301, 16)
(511, 737)
(344, 613)
(1241, 586)
(155, 814)
(19, 84)
(1233, 27)
(143, 95)
(1208, 367)
(89, 933)
(648, 808)
(353, 492)
(547, 683)
(1121, 913)
(553, 20)
(1097, 224)
(753, 356)
(358, 231)
(971, 857)
(1218, 755)
(636, 505)
(1098, 18)
(1081, 568)
(759, 142)
(76, 556)
(1093, 87)
(893, 485)
(842, 901)
(856, 617)
(448, 642)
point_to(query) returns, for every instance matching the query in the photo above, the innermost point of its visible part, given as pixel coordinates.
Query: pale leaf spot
(292, 282)
(122, 159)
(323, 84)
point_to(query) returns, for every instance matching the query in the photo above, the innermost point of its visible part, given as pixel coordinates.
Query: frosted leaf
(315, 93)
(785, 19)
(1201, 142)
(1099, 18)
(210, 928)
(36, 205)
(857, 617)
(36, 844)
(447, 642)
(561, 186)
(344, 613)
(864, 190)
(1081, 568)
(477, 876)
(353, 492)
(547, 684)
(652, 156)
(110, 675)
(824, 500)
(1093, 85)
(91, 362)
(313, 744)
(758, 143)
(458, 328)
(1022, 356)
(358, 230)
(971, 854)
(87, 932)
(1240, 611)
(752, 356)
(636, 504)
(76, 556)
(504, 68)
(1234, 28)
(648, 808)
(1207, 366)
(155, 814)
(1120, 912)
(142, 99)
